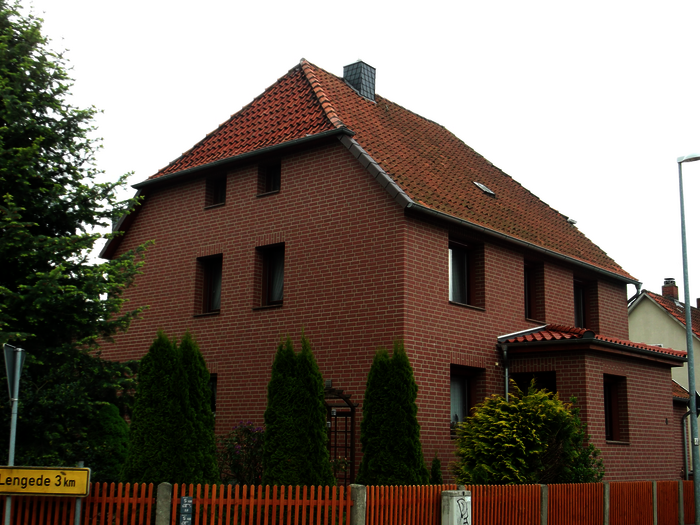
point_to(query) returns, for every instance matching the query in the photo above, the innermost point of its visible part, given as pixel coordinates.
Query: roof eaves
(246, 156)
(521, 333)
(494, 233)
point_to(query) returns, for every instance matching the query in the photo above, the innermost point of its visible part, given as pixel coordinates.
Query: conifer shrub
(296, 440)
(532, 438)
(109, 442)
(390, 433)
(436, 471)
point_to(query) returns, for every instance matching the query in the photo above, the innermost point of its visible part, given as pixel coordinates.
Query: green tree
(54, 303)
(109, 441)
(436, 471)
(203, 454)
(390, 433)
(532, 438)
(295, 450)
(159, 430)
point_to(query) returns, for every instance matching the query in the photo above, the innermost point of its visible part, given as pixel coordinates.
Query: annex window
(215, 191)
(533, 290)
(543, 380)
(271, 259)
(209, 269)
(615, 407)
(269, 177)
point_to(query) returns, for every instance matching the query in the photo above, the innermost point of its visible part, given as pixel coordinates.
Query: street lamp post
(689, 342)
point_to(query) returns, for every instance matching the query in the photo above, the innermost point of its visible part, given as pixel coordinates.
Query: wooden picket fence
(405, 505)
(251, 505)
(505, 504)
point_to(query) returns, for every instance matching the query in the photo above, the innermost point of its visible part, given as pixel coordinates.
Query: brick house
(323, 206)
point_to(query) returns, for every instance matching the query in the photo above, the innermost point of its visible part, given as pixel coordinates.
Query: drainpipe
(505, 366)
(634, 297)
(684, 427)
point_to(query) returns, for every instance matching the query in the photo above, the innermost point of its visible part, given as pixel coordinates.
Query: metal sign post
(14, 360)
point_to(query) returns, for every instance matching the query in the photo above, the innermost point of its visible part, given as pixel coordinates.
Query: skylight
(483, 188)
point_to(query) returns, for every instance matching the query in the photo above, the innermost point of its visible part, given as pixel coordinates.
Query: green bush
(241, 454)
(533, 438)
(436, 471)
(390, 433)
(109, 441)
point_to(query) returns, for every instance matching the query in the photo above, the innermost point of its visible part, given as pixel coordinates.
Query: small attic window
(486, 190)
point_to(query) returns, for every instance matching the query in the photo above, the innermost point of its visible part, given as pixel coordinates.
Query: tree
(390, 433)
(198, 407)
(532, 438)
(54, 303)
(295, 450)
(159, 430)
(109, 439)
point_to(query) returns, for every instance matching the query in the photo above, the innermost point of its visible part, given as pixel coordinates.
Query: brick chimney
(669, 289)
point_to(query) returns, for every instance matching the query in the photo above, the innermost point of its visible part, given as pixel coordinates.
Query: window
(533, 289)
(269, 177)
(543, 380)
(210, 279)
(459, 274)
(615, 405)
(213, 380)
(462, 393)
(580, 304)
(272, 262)
(215, 192)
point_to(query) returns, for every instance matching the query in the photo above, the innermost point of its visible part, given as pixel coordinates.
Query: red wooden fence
(225, 504)
(688, 502)
(576, 504)
(506, 504)
(631, 502)
(405, 505)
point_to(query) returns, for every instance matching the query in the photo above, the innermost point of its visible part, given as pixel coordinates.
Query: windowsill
(267, 193)
(267, 307)
(610, 442)
(470, 306)
(531, 320)
(217, 205)
(208, 314)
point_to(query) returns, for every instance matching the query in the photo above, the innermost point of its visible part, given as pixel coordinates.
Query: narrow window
(216, 191)
(615, 407)
(272, 258)
(211, 283)
(463, 381)
(533, 290)
(269, 177)
(213, 380)
(580, 317)
(459, 274)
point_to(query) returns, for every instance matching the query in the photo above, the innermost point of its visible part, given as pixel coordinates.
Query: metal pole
(691, 358)
(13, 428)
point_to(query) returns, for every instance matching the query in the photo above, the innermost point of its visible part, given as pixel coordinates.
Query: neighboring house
(660, 320)
(323, 207)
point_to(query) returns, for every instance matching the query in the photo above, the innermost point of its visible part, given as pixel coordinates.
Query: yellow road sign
(44, 481)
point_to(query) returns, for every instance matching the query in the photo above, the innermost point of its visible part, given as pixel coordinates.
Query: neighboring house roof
(556, 337)
(429, 168)
(679, 392)
(672, 307)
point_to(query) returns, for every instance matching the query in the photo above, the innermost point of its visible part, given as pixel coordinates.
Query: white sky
(586, 104)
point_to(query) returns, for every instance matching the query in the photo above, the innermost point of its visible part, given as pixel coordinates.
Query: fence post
(544, 504)
(655, 503)
(163, 503)
(358, 511)
(681, 505)
(456, 507)
(606, 503)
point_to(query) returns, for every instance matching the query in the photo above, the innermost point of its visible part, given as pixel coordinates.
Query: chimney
(361, 77)
(669, 289)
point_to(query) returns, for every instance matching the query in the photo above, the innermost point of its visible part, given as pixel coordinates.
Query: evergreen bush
(109, 442)
(390, 433)
(436, 471)
(533, 438)
(241, 455)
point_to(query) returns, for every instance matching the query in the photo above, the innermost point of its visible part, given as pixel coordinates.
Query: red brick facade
(361, 270)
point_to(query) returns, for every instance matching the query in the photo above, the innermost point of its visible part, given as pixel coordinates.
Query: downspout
(638, 286)
(684, 427)
(505, 366)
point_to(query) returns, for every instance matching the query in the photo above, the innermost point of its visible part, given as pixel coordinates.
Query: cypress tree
(311, 420)
(201, 457)
(109, 442)
(390, 433)
(281, 462)
(157, 426)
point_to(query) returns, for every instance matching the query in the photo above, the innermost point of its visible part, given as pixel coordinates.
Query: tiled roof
(678, 391)
(676, 309)
(432, 166)
(554, 332)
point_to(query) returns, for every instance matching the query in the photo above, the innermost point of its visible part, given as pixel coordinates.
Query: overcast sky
(586, 104)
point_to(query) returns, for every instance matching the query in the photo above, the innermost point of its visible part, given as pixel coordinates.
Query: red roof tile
(554, 332)
(677, 310)
(432, 166)
(678, 391)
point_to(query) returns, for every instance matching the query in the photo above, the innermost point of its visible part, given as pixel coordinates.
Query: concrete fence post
(681, 507)
(456, 507)
(164, 503)
(544, 504)
(358, 494)
(655, 505)
(606, 503)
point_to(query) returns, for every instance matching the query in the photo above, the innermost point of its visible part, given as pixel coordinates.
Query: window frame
(467, 377)
(533, 291)
(580, 304)
(215, 192)
(615, 408)
(210, 271)
(270, 258)
(269, 177)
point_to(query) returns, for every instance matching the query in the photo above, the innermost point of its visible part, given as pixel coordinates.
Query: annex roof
(674, 308)
(429, 166)
(551, 334)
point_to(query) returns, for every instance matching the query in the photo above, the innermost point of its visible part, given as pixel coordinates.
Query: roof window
(486, 190)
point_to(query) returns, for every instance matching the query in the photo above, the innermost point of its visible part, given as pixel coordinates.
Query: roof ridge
(320, 93)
